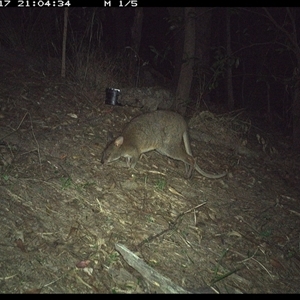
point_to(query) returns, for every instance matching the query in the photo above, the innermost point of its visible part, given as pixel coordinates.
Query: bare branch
(293, 24)
(291, 37)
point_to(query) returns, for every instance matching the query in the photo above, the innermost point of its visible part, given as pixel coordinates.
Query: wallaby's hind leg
(177, 152)
(188, 167)
(187, 146)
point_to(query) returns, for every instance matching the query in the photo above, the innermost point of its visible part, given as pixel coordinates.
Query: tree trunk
(202, 54)
(176, 20)
(64, 43)
(230, 100)
(293, 45)
(136, 34)
(186, 72)
(122, 36)
(296, 107)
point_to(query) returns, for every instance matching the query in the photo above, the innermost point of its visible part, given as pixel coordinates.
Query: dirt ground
(62, 212)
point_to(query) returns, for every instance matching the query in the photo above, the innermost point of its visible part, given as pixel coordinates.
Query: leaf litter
(64, 215)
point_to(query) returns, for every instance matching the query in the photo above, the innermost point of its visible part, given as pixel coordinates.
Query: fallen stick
(165, 284)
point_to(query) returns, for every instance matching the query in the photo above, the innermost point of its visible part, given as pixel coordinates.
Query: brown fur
(163, 131)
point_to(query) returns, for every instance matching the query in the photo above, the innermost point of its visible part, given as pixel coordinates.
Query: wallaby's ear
(119, 141)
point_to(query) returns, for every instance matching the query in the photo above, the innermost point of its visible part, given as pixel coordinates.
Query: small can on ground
(112, 95)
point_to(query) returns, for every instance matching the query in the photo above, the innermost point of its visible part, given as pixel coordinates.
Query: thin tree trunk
(202, 53)
(176, 16)
(64, 43)
(136, 34)
(296, 108)
(186, 73)
(229, 65)
(291, 36)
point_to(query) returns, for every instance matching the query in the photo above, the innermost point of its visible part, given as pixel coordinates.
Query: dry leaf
(33, 291)
(21, 245)
(89, 271)
(173, 191)
(83, 264)
(74, 116)
(73, 230)
(234, 233)
(276, 263)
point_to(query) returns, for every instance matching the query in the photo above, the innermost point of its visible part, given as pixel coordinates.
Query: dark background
(263, 72)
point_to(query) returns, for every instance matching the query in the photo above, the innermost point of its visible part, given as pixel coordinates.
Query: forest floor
(62, 212)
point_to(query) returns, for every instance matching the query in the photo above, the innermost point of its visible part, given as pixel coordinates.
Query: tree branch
(289, 36)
